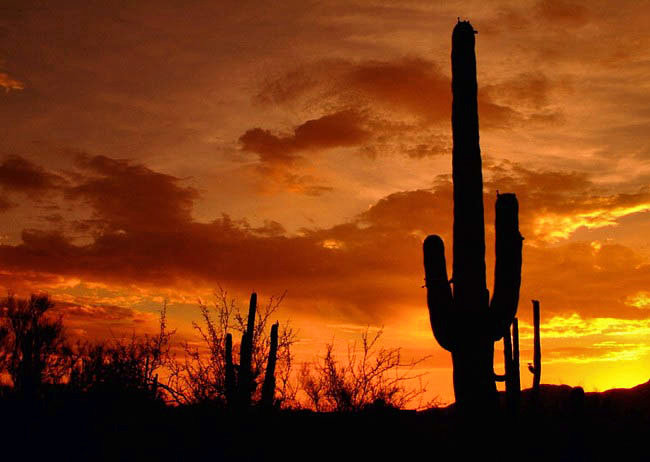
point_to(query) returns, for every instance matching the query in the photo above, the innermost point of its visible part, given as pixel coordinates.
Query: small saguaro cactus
(536, 367)
(464, 321)
(246, 384)
(231, 378)
(268, 388)
(241, 380)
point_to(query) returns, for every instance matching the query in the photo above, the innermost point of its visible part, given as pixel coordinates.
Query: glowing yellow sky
(152, 150)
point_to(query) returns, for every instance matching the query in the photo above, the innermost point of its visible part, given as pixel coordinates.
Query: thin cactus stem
(537, 348)
(246, 384)
(231, 381)
(268, 388)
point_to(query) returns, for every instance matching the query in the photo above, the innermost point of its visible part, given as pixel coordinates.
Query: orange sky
(153, 150)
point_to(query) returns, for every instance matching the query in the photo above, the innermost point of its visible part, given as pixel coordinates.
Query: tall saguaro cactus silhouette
(464, 321)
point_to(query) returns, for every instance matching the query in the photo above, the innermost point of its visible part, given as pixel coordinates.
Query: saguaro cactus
(464, 321)
(246, 383)
(241, 380)
(268, 388)
(231, 378)
(536, 367)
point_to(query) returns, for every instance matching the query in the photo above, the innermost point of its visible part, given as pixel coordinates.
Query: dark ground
(567, 425)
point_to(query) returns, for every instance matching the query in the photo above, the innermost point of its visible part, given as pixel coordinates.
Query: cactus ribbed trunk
(465, 322)
(473, 356)
(470, 288)
(268, 388)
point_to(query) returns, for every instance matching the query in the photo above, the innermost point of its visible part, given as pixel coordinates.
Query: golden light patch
(608, 351)
(640, 300)
(574, 326)
(554, 227)
(9, 83)
(332, 244)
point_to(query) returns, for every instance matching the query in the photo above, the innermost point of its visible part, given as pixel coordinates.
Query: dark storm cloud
(340, 129)
(126, 195)
(21, 175)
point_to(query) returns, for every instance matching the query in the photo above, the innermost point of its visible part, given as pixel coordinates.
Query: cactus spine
(465, 322)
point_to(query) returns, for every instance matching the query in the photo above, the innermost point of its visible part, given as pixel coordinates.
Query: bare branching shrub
(32, 344)
(371, 376)
(123, 366)
(201, 375)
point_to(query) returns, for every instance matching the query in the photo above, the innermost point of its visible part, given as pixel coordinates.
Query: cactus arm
(507, 268)
(439, 297)
(515, 356)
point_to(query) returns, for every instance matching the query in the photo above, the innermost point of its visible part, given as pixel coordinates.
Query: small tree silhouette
(32, 345)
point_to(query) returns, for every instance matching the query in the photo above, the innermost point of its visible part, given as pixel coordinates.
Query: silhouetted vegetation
(135, 399)
(32, 345)
(372, 377)
(122, 367)
(536, 367)
(465, 322)
(217, 373)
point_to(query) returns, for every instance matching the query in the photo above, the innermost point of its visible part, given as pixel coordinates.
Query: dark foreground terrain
(566, 424)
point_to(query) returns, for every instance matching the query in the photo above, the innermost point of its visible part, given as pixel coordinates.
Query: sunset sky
(156, 150)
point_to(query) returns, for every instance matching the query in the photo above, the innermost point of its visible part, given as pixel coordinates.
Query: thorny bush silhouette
(373, 377)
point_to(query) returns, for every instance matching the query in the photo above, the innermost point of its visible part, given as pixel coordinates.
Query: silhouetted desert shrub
(372, 377)
(123, 367)
(200, 376)
(33, 350)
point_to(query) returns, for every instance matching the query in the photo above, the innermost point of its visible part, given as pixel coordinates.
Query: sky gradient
(155, 150)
